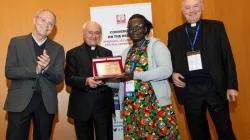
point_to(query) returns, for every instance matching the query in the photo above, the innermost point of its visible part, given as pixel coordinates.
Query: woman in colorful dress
(145, 96)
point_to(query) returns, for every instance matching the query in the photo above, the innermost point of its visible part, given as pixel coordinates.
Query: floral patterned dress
(143, 118)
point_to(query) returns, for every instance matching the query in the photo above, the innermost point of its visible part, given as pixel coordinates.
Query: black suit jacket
(78, 69)
(215, 52)
(20, 68)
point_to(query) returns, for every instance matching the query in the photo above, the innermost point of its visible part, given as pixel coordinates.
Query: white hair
(89, 22)
(202, 4)
(85, 25)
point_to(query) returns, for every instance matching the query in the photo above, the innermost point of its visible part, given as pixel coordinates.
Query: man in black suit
(34, 65)
(90, 102)
(204, 74)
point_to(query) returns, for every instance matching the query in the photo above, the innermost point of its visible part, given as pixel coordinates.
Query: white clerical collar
(39, 43)
(93, 47)
(193, 24)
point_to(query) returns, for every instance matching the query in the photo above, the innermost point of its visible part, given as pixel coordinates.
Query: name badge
(194, 60)
(129, 87)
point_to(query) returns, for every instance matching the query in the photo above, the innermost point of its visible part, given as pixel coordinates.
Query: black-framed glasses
(136, 28)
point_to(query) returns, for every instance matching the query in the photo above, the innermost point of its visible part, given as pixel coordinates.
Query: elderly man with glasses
(34, 65)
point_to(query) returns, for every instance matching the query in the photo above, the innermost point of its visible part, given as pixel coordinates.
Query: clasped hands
(43, 62)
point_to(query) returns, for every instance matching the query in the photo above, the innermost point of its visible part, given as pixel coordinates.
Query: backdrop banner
(113, 20)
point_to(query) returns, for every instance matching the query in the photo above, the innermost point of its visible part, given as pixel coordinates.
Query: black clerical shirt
(196, 77)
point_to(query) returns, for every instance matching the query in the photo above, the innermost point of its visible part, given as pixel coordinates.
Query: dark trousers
(197, 103)
(99, 121)
(19, 122)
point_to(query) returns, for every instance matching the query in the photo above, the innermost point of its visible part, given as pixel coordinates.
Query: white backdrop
(113, 20)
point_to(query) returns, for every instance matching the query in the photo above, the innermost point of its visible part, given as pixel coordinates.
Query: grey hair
(202, 3)
(87, 23)
(43, 10)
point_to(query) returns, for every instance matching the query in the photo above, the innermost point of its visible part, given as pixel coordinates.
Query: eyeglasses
(42, 20)
(136, 28)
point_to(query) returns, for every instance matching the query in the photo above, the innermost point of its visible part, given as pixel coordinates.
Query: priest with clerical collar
(91, 103)
(204, 75)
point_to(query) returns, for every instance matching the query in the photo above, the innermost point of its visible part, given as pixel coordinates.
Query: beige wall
(16, 19)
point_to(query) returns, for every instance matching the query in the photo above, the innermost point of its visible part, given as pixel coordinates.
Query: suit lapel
(48, 47)
(205, 31)
(31, 47)
(84, 55)
(183, 37)
(100, 51)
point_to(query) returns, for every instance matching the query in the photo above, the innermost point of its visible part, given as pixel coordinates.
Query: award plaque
(107, 67)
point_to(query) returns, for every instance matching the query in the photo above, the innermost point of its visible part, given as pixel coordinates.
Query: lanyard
(195, 37)
(134, 61)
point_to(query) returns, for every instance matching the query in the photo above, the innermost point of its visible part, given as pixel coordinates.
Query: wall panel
(16, 20)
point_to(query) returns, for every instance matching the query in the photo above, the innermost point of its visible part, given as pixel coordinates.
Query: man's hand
(231, 95)
(93, 83)
(176, 77)
(43, 60)
(38, 69)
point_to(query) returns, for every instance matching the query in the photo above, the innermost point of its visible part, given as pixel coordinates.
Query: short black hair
(148, 24)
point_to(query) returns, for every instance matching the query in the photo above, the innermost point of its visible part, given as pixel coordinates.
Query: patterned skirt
(144, 119)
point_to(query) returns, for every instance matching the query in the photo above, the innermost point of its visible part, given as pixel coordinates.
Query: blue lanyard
(134, 61)
(195, 37)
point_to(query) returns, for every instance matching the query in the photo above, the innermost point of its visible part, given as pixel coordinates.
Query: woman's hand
(127, 76)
